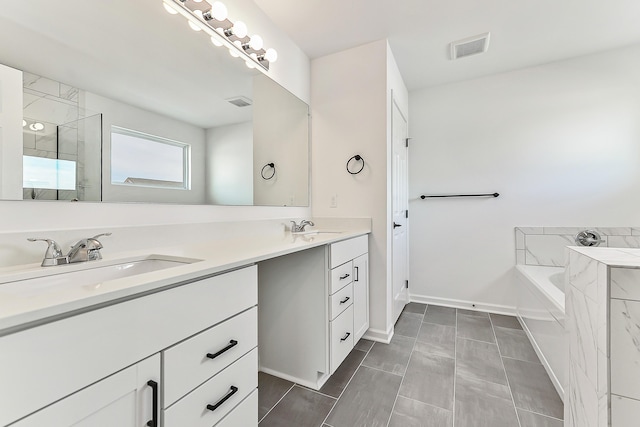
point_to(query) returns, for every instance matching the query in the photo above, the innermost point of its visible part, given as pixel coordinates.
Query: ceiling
(524, 33)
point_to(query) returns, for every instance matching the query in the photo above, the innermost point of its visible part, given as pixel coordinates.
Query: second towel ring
(357, 158)
(270, 165)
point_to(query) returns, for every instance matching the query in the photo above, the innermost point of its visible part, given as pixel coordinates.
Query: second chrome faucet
(84, 250)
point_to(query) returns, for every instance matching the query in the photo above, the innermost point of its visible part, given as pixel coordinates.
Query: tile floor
(443, 367)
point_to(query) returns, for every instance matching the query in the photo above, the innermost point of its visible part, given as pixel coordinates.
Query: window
(52, 174)
(144, 160)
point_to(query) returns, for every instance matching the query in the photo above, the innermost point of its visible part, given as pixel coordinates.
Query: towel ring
(270, 165)
(357, 158)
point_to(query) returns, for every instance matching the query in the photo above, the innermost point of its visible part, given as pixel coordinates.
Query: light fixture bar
(234, 36)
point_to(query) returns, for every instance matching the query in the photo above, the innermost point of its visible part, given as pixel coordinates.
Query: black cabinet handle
(396, 225)
(344, 338)
(344, 277)
(357, 273)
(226, 397)
(345, 300)
(154, 404)
(232, 344)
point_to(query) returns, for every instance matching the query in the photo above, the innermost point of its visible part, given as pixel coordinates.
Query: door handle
(396, 225)
(154, 404)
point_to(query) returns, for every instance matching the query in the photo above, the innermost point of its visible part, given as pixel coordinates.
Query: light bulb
(254, 56)
(218, 11)
(240, 29)
(24, 123)
(197, 1)
(256, 42)
(271, 55)
(194, 27)
(234, 52)
(198, 13)
(36, 126)
(215, 41)
(169, 9)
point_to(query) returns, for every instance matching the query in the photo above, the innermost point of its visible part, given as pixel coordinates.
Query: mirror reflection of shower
(60, 139)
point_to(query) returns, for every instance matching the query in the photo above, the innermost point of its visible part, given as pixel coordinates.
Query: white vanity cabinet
(314, 307)
(102, 359)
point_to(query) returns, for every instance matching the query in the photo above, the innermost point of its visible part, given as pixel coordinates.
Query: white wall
(229, 164)
(350, 105)
(291, 71)
(559, 142)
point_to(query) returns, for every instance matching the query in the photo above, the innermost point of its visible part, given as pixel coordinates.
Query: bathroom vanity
(179, 346)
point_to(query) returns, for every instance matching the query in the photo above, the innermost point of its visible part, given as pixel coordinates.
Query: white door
(400, 202)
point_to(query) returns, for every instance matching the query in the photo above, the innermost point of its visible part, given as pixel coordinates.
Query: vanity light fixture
(211, 18)
(36, 126)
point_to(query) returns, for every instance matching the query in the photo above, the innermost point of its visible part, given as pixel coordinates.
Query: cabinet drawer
(341, 276)
(244, 415)
(347, 250)
(341, 338)
(192, 362)
(197, 408)
(341, 300)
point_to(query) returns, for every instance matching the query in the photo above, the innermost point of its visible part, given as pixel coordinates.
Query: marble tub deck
(443, 367)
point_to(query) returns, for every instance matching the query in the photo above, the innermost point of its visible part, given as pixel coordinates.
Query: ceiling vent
(240, 101)
(470, 46)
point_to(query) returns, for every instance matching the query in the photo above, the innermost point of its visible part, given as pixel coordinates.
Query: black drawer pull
(232, 344)
(344, 338)
(216, 405)
(154, 404)
(344, 277)
(357, 279)
(345, 300)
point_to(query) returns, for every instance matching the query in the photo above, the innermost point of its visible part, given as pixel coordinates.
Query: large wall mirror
(120, 101)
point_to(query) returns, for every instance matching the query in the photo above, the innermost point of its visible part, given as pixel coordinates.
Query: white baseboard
(309, 384)
(378, 336)
(543, 360)
(468, 305)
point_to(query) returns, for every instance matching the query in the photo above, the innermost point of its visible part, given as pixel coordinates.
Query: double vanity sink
(172, 331)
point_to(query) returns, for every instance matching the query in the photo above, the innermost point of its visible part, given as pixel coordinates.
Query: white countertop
(22, 309)
(613, 257)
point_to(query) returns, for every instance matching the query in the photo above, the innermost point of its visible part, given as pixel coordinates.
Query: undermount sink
(314, 232)
(90, 277)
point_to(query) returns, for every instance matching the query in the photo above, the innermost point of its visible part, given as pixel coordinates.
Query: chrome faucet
(85, 250)
(297, 228)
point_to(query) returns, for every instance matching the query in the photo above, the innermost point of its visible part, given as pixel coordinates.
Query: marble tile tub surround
(545, 245)
(603, 330)
(15, 250)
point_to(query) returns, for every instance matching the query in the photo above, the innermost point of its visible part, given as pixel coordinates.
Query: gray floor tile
(529, 419)
(411, 413)
(363, 345)
(301, 408)
(367, 400)
(532, 389)
(429, 379)
(343, 374)
(475, 328)
(436, 339)
(505, 321)
(440, 315)
(479, 360)
(483, 404)
(392, 357)
(415, 307)
(472, 313)
(270, 390)
(514, 344)
(408, 324)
